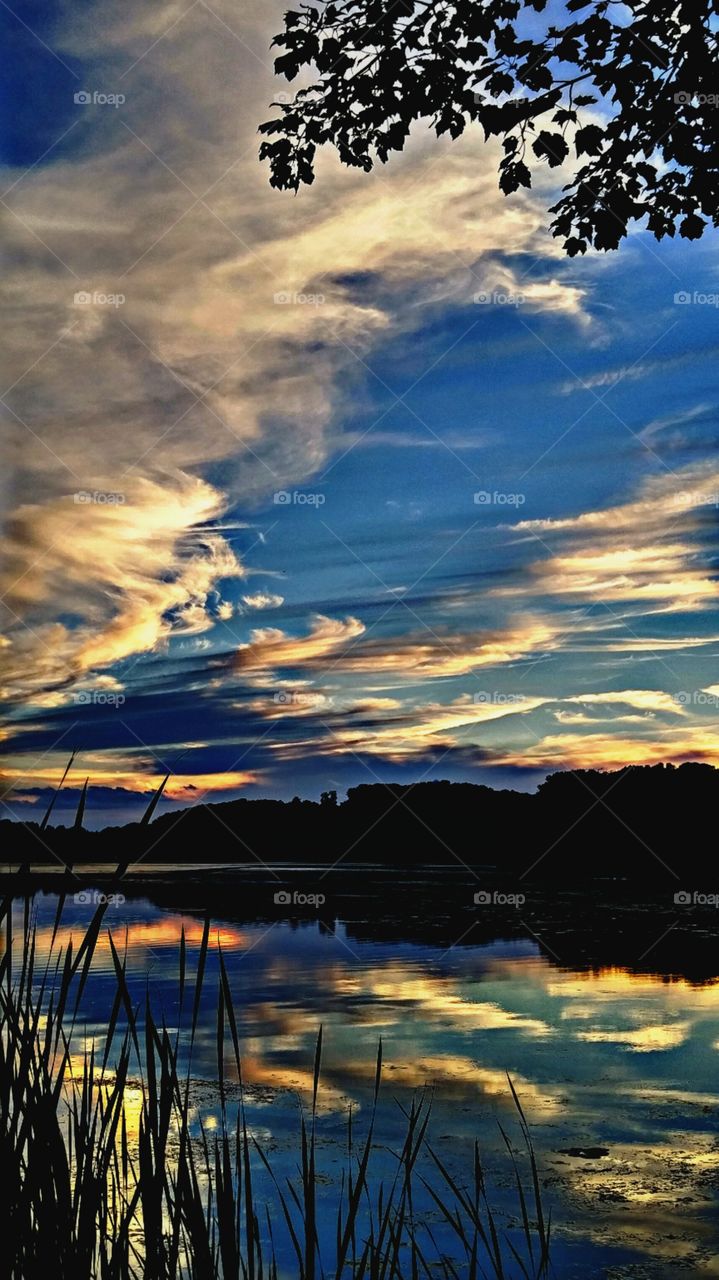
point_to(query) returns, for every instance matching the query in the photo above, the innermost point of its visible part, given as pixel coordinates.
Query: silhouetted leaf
(589, 139)
(551, 145)
(692, 227)
(514, 176)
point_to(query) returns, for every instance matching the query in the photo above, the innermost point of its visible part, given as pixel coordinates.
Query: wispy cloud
(420, 654)
(655, 551)
(224, 288)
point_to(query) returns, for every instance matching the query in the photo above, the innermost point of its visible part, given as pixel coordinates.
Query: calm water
(603, 1055)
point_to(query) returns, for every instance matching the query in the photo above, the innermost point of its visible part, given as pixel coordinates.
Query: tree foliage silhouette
(580, 823)
(625, 95)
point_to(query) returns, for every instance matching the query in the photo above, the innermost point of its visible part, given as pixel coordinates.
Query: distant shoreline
(636, 822)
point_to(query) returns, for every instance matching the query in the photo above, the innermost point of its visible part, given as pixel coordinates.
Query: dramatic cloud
(270, 649)
(120, 570)
(603, 751)
(411, 730)
(165, 303)
(400, 729)
(655, 552)
(188, 348)
(422, 655)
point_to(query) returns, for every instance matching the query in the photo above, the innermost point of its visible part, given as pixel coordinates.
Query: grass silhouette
(165, 1202)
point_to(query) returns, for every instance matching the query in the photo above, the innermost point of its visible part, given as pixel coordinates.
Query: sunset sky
(367, 484)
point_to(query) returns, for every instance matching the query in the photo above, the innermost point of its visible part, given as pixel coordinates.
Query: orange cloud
(103, 772)
(605, 751)
(436, 655)
(644, 551)
(270, 648)
(160, 586)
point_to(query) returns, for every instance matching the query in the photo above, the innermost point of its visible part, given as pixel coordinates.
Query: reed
(177, 1202)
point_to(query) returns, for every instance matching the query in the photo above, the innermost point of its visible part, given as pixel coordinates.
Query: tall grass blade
(116, 1176)
(147, 815)
(56, 793)
(81, 807)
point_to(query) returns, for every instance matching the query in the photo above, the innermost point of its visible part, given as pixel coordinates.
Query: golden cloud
(205, 359)
(119, 567)
(644, 551)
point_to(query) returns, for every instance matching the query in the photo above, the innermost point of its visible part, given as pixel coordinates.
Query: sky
(367, 484)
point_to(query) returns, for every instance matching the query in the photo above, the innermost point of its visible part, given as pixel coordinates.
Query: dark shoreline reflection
(605, 924)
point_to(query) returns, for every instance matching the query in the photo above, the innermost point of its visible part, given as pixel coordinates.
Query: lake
(604, 1011)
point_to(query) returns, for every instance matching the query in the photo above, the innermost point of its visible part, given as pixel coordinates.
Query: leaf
(589, 140)
(538, 78)
(287, 66)
(395, 135)
(515, 176)
(608, 230)
(500, 82)
(692, 227)
(551, 145)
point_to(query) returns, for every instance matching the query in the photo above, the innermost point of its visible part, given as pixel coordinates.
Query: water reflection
(605, 1057)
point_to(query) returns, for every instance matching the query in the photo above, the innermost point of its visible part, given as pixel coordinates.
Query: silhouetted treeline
(639, 821)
